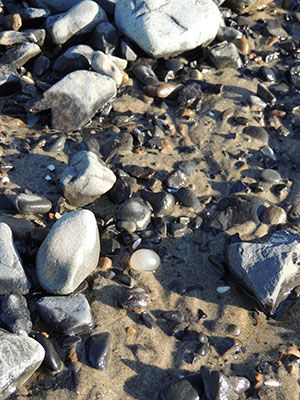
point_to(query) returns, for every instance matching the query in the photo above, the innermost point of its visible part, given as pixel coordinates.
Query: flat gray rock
(12, 276)
(20, 54)
(267, 268)
(68, 315)
(76, 98)
(20, 357)
(69, 253)
(168, 27)
(81, 18)
(86, 179)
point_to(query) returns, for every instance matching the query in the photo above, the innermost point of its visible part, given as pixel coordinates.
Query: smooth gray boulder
(168, 27)
(86, 179)
(12, 276)
(268, 268)
(81, 18)
(20, 357)
(69, 253)
(76, 98)
(68, 315)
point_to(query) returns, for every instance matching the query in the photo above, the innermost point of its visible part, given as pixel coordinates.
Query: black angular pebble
(180, 390)
(52, 361)
(257, 132)
(98, 349)
(14, 314)
(148, 320)
(187, 198)
(162, 202)
(134, 298)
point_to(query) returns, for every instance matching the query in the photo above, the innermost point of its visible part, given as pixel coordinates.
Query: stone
(136, 212)
(52, 361)
(247, 6)
(127, 52)
(108, 5)
(257, 132)
(21, 227)
(176, 180)
(15, 315)
(270, 175)
(81, 18)
(75, 58)
(103, 64)
(133, 299)
(67, 315)
(9, 38)
(31, 204)
(70, 106)
(295, 75)
(265, 94)
(181, 389)
(225, 55)
(20, 358)
(162, 203)
(274, 215)
(267, 268)
(98, 348)
(41, 65)
(12, 276)
(56, 145)
(168, 27)
(55, 6)
(86, 179)
(144, 260)
(20, 54)
(33, 13)
(104, 37)
(10, 81)
(69, 253)
(187, 198)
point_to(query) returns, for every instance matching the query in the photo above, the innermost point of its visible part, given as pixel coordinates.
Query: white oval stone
(144, 260)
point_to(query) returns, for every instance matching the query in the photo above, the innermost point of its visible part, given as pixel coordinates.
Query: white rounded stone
(144, 260)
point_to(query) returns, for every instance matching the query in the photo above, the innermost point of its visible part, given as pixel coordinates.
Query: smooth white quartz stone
(144, 260)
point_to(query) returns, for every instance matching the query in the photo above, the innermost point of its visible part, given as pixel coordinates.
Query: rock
(86, 179)
(127, 52)
(41, 65)
(295, 75)
(270, 175)
(19, 54)
(136, 212)
(9, 38)
(52, 361)
(12, 276)
(21, 228)
(67, 315)
(164, 28)
(187, 198)
(98, 348)
(14, 314)
(176, 180)
(103, 64)
(69, 253)
(148, 320)
(15, 370)
(10, 81)
(56, 145)
(265, 94)
(257, 132)
(145, 74)
(104, 37)
(135, 298)
(247, 6)
(70, 107)
(190, 96)
(108, 5)
(268, 268)
(75, 58)
(31, 204)
(33, 13)
(225, 55)
(181, 389)
(81, 18)
(144, 260)
(162, 202)
(54, 5)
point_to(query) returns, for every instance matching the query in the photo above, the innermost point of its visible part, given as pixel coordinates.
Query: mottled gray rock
(69, 253)
(41, 65)
(168, 27)
(33, 13)
(15, 315)
(134, 215)
(103, 64)
(9, 38)
(86, 179)
(67, 315)
(20, 357)
(75, 58)
(10, 81)
(20, 54)
(127, 52)
(268, 268)
(81, 18)
(12, 275)
(225, 55)
(76, 98)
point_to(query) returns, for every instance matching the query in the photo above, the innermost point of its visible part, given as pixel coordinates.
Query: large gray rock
(168, 27)
(76, 98)
(82, 18)
(20, 356)
(267, 268)
(86, 179)
(12, 275)
(69, 253)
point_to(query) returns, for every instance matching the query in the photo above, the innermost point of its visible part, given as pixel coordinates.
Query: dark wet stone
(268, 74)
(10, 81)
(134, 215)
(177, 229)
(52, 361)
(295, 75)
(275, 28)
(257, 132)
(104, 37)
(98, 348)
(74, 58)
(41, 65)
(14, 314)
(172, 316)
(225, 55)
(67, 315)
(217, 386)
(56, 145)
(190, 96)
(187, 198)
(162, 202)
(134, 298)
(180, 390)
(120, 192)
(32, 204)
(19, 54)
(196, 223)
(139, 172)
(145, 75)
(21, 227)
(108, 5)
(148, 320)
(268, 268)
(203, 349)
(127, 52)
(176, 180)
(265, 94)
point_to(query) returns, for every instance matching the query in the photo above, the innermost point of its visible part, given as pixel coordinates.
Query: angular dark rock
(98, 348)
(14, 314)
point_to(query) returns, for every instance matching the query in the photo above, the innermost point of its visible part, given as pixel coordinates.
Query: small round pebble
(144, 260)
(270, 175)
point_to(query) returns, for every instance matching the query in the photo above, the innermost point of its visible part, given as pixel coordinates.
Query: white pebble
(48, 178)
(136, 244)
(51, 167)
(272, 383)
(5, 180)
(223, 289)
(144, 260)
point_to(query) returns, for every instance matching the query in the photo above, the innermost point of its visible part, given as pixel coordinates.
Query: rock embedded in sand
(225, 55)
(134, 215)
(86, 179)
(268, 268)
(20, 357)
(144, 260)
(69, 253)
(52, 361)
(76, 98)
(164, 28)
(98, 348)
(10, 81)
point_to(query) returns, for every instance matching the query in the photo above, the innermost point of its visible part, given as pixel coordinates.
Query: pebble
(274, 215)
(134, 215)
(98, 348)
(105, 38)
(148, 320)
(133, 299)
(14, 314)
(179, 390)
(270, 175)
(225, 55)
(10, 81)
(74, 58)
(12, 276)
(265, 94)
(67, 315)
(144, 260)
(20, 54)
(79, 108)
(176, 180)
(162, 202)
(32, 204)
(167, 28)
(23, 357)
(103, 64)
(69, 253)
(86, 179)
(127, 52)
(56, 145)
(52, 361)
(257, 132)
(187, 198)
(223, 289)
(295, 75)
(41, 65)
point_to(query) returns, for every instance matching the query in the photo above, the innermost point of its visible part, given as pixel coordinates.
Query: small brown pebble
(272, 41)
(13, 21)
(243, 46)
(278, 113)
(167, 146)
(105, 263)
(187, 112)
(131, 331)
(72, 355)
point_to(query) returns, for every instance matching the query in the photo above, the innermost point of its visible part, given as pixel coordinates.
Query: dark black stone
(98, 348)
(264, 93)
(148, 320)
(180, 390)
(104, 37)
(187, 198)
(145, 75)
(56, 145)
(267, 74)
(295, 75)
(162, 202)
(257, 132)
(139, 172)
(120, 192)
(32, 204)
(52, 361)
(135, 298)
(10, 81)
(14, 314)
(190, 96)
